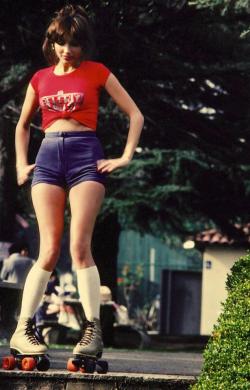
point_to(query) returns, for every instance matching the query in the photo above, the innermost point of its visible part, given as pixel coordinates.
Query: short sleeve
(103, 74)
(34, 82)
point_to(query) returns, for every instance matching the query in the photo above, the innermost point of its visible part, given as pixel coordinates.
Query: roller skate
(88, 351)
(27, 352)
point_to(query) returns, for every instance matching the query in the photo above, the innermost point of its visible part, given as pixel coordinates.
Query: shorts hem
(48, 182)
(102, 181)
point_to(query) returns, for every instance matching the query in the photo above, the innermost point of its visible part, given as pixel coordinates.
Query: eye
(60, 41)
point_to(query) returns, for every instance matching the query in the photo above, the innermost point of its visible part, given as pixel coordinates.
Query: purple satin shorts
(66, 158)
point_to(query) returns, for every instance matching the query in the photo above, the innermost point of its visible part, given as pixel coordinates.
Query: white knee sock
(34, 287)
(88, 282)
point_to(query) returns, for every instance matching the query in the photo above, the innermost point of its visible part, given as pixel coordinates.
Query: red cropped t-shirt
(73, 95)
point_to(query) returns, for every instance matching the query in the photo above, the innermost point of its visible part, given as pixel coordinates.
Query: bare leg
(85, 201)
(49, 203)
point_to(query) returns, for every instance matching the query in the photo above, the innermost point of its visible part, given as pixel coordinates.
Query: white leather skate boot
(24, 340)
(91, 342)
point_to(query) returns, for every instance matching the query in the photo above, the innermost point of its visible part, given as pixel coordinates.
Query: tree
(187, 67)
(193, 167)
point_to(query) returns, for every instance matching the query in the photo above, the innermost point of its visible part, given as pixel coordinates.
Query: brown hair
(70, 24)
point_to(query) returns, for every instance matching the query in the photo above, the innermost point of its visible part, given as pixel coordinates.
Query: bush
(226, 357)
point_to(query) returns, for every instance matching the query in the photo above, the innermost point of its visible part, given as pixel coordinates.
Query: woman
(70, 162)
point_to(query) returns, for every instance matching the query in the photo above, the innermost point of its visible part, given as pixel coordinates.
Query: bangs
(67, 30)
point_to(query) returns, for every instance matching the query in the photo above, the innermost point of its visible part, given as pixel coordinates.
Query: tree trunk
(105, 251)
(8, 187)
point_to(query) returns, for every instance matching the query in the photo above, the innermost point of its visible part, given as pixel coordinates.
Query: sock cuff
(43, 271)
(87, 270)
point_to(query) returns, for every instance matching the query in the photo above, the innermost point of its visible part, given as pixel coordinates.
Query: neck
(67, 68)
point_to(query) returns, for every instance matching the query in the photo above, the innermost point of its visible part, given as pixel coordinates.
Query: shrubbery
(227, 355)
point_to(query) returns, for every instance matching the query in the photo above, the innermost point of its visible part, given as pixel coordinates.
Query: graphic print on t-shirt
(66, 102)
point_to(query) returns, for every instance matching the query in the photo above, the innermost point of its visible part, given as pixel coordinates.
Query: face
(68, 52)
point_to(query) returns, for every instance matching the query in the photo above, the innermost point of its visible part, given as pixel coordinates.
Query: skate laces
(30, 333)
(88, 333)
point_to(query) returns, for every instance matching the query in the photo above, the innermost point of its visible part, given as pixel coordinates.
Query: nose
(67, 48)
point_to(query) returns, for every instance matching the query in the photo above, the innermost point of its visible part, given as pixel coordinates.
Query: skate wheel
(43, 364)
(8, 363)
(72, 366)
(28, 364)
(102, 367)
(89, 366)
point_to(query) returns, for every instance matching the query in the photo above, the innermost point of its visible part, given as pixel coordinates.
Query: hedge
(226, 357)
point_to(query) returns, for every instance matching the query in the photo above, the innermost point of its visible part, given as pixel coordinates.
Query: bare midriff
(67, 125)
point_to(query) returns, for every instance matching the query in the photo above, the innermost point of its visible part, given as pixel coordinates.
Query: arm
(127, 105)
(23, 136)
(4, 271)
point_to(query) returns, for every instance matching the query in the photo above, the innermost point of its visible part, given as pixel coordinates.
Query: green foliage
(172, 189)
(227, 362)
(13, 75)
(187, 68)
(225, 7)
(240, 273)
(128, 278)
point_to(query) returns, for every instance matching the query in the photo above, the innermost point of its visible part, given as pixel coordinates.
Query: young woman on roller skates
(70, 162)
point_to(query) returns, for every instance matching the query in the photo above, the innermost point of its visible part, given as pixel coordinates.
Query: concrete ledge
(61, 380)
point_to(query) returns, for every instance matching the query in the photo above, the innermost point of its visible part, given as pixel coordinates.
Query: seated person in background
(42, 315)
(16, 267)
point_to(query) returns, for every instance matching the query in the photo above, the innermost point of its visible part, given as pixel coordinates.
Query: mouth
(67, 58)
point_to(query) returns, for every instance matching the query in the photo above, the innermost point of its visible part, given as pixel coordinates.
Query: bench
(10, 302)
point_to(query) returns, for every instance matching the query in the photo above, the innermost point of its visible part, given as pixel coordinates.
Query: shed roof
(239, 235)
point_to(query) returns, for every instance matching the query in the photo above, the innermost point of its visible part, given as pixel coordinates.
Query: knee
(49, 255)
(81, 252)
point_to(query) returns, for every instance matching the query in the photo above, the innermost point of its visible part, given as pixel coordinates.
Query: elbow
(22, 127)
(138, 117)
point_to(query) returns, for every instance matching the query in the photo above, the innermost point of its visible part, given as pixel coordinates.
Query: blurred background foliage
(187, 65)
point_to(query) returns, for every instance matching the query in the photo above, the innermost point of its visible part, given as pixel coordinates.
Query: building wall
(148, 256)
(217, 263)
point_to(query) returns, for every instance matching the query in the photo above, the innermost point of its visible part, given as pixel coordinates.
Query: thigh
(49, 204)
(85, 202)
